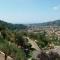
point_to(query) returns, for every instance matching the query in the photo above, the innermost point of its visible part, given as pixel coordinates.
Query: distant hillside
(52, 23)
(12, 26)
(22, 26)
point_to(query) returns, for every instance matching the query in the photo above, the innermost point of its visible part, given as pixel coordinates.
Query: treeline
(12, 26)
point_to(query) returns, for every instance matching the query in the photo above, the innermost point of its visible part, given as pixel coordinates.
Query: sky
(29, 11)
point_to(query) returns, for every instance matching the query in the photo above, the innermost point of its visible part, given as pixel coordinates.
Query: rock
(2, 56)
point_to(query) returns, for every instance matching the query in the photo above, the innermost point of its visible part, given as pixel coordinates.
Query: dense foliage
(14, 44)
(12, 26)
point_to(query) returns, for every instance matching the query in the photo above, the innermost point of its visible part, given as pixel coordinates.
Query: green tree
(42, 40)
(19, 40)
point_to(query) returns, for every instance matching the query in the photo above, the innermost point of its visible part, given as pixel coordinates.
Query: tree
(6, 49)
(19, 40)
(42, 40)
(23, 42)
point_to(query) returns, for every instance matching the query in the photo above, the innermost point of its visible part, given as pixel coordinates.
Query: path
(35, 46)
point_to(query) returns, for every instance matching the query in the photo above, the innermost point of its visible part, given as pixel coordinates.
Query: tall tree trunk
(5, 57)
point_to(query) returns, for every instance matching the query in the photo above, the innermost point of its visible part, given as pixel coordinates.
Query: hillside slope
(51, 23)
(12, 26)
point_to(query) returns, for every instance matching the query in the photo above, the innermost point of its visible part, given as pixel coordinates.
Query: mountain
(51, 23)
(22, 26)
(12, 26)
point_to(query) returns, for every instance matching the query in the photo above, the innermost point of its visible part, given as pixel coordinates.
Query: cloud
(56, 8)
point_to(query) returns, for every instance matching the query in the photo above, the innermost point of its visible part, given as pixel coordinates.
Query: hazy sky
(29, 11)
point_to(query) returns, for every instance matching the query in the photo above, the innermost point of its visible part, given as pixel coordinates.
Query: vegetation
(14, 42)
(11, 50)
(12, 26)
